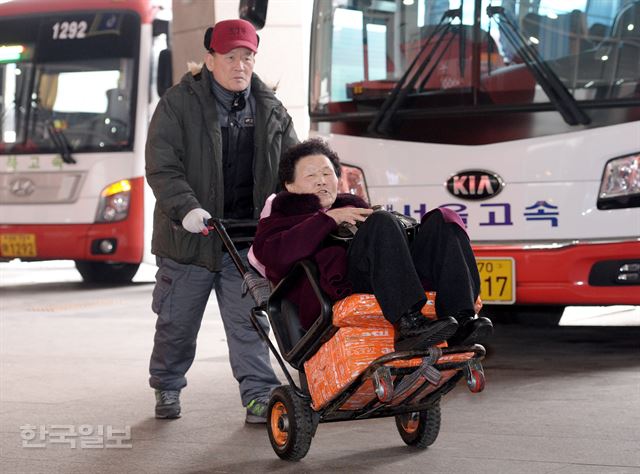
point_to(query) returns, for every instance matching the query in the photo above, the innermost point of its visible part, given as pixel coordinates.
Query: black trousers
(382, 261)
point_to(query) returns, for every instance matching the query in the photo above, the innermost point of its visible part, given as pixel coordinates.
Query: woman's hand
(350, 215)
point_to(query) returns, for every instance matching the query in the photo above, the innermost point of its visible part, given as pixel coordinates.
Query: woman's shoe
(415, 331)
(472, 331)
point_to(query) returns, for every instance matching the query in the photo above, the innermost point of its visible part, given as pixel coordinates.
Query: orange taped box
(364, 335)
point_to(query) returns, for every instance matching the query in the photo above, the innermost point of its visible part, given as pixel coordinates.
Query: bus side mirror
(254, 11)
(160, 27)
(165, 72)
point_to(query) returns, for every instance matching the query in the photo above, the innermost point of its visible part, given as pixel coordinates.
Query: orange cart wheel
(289, 424)
(419, 428)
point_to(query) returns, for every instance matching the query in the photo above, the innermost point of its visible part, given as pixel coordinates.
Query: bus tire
(106, 272)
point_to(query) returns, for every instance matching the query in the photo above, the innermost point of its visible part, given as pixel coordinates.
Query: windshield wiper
(555, 89)
(381, 123)
(60, 141)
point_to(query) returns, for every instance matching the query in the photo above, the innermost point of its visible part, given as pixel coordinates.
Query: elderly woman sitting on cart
(380, 259)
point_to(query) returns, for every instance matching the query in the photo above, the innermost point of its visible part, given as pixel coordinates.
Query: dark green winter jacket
(184, 163)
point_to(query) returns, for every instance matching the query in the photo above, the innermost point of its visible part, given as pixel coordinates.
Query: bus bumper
(78, 242)
(575, 274)
(33, 242)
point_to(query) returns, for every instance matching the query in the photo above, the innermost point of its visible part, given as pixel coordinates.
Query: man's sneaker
(167, 404)
(415, 331)
(257, 411)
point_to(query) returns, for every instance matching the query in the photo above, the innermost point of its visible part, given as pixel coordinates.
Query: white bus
(522, 116)
(76, 93)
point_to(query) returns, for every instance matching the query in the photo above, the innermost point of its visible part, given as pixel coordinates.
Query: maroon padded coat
(298, 229)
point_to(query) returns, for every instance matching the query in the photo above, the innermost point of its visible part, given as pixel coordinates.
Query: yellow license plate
(18, 245)
(497, 280)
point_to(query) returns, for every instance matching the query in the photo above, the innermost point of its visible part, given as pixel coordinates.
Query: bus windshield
(67, 82)
(424, 56)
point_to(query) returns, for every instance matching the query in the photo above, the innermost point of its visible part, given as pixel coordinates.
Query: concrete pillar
(191, 18)
(283, 55)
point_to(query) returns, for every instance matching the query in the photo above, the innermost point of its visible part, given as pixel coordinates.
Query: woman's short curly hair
(312, 146)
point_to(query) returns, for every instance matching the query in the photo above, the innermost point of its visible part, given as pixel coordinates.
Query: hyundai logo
(474, 184)
(22, 187)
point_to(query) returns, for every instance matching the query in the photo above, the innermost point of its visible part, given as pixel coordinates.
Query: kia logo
(474, 184)
(22, 187)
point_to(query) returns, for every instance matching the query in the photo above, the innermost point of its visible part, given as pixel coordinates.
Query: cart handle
(220, 226)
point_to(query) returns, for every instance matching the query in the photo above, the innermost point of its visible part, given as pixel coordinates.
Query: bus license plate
(18, 245)
(497, 280)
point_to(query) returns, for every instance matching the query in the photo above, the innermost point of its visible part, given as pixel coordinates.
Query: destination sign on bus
(63, 37)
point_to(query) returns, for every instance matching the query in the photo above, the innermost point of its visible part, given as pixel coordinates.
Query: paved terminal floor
(74, 359)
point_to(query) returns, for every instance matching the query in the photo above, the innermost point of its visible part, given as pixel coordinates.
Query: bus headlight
(114, 202)
(620, 185)
(352, 181)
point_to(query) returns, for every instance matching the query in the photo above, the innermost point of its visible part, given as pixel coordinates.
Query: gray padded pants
(180, 296)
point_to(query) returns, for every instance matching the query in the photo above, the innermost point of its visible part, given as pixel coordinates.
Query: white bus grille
(40, 188)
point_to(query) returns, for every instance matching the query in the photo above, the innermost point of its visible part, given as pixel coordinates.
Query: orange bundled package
(363, 311)
(364, 335)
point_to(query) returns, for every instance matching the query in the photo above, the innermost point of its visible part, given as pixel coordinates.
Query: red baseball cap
(230, 34)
